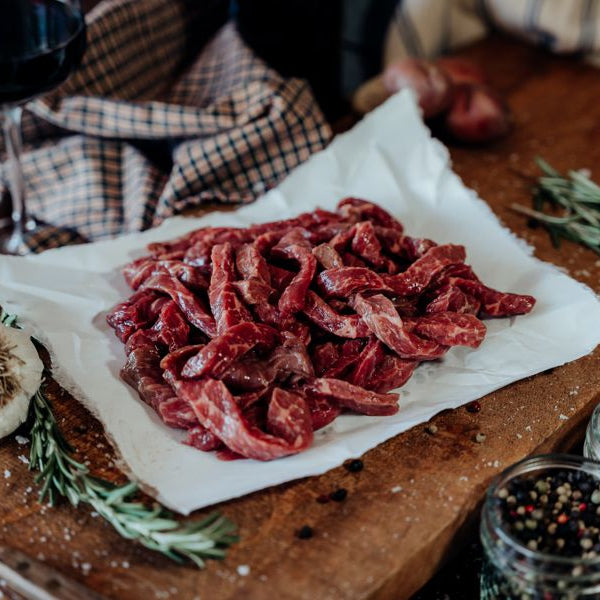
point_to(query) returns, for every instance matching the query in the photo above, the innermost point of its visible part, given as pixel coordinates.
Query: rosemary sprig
(60, 475)
(578, 199)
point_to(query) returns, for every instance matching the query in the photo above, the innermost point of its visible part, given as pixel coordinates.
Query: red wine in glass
(41, 43)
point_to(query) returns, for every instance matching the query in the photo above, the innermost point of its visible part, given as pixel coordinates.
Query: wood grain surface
(409, 509)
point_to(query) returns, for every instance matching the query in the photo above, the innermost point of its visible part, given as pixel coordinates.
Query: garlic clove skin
(25, 367)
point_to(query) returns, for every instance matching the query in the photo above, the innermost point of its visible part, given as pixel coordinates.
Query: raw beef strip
(355, 209)
(406, 307)
(201, 438)
(345, 281)
(327, 256)
(351, 260)
(251, 264)
(280, 278)
(383, 320)
(294, 246)
(451, 329)
(253, 291)
(370, 358)
(189, 304)
(133, 314)
(495, 303)
(353, 397)
(173, 362)
(417, 277)
(320, 313)
(452, 299)
(350, 354)
(403, 246)
(139, 270)
(289, 417)
(226, 307)
(392, 372)
(340, 241)
(366, 245)
(250, 374)
(176, 413)
(199, 254)
(220, 353)
(324, 355)
(141, 371)
(137, 339)
(256, 285)
(322, 410)
(171, 329)
(217, 410)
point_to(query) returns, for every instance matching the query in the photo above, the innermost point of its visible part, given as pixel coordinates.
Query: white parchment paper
(388, 158)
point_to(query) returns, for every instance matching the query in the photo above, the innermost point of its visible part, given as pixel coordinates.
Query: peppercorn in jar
(540, 530)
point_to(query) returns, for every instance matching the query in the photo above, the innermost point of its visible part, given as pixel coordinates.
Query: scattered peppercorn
(339, 495)
(323, 499)
(354, 466)
(480, 438)
(305, 532)
(474, 407)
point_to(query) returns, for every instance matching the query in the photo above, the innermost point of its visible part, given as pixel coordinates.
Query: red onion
(477, 114)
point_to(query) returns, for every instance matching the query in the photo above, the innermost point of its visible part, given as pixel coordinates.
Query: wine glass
(41, 43)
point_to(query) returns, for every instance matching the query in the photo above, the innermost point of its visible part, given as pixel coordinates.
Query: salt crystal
(6, 473)
(21, 440)
(125, 564)
(86, 568)
(563, 417)
(519, 436)
(528, 428)
(396, 489)
(23, 459)
(243, 570)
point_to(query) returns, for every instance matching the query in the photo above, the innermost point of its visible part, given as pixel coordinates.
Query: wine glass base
(13, 241)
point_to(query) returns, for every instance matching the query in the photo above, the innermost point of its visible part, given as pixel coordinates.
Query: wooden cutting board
(418, 494)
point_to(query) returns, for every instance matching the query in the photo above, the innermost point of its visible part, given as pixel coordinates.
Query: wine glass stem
(12, 137)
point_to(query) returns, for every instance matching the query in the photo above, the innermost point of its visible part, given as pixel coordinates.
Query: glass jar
(591, 446)
(512, 570)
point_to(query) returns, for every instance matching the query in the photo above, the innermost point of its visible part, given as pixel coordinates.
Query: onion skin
(460, 70)
(477, 114)
(370, 95)
(431, 84)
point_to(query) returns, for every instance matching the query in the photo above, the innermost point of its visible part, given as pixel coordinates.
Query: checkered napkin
(137, 135)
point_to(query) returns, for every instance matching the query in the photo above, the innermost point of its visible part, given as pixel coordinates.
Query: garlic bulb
(20, 377)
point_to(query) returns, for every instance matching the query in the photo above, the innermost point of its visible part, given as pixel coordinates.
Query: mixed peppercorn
(557, 513)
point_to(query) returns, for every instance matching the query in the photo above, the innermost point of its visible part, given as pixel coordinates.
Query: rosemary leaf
(575, 200)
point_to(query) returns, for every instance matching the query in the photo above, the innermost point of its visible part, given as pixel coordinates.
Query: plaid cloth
(124, 144)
